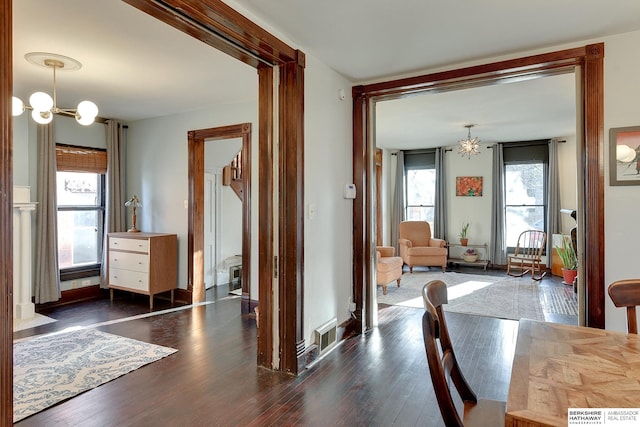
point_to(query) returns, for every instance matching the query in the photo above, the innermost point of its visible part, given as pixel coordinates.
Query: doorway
(199, 223)
(587, 62)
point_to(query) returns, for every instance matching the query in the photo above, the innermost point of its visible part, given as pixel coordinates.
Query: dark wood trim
(218, 25)
(265, 213)
(591, 59)
(214, 23)
(6, 215)
(359, 207)
(291, 208)
(76, 295)
(594, 247)
(196, 141)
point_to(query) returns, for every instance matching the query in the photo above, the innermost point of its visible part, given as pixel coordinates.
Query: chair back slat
(626, 293)
(444, 368)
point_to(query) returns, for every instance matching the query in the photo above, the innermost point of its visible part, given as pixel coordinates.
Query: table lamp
(135, 202)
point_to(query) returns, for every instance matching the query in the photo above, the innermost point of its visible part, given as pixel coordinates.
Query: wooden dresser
(144, 263)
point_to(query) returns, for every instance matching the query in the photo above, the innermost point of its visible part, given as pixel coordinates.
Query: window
(420, 179)
(525, 189)
(80, 181)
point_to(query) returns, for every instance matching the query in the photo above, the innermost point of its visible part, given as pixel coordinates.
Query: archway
(587, 62)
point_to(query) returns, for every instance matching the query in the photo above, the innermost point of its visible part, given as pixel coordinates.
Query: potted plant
(567, 254)
(463, 234)
(470, 255)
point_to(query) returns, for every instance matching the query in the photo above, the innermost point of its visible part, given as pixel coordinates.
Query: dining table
(560, 370)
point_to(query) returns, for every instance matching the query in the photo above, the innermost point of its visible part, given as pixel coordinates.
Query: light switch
(350, 191)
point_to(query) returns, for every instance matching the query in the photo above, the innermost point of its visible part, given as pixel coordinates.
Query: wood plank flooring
(379, 379)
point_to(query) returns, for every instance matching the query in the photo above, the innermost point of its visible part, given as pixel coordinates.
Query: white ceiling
(135, 67)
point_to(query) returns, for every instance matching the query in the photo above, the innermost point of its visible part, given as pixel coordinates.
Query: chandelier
(42, 105)
(470, 145)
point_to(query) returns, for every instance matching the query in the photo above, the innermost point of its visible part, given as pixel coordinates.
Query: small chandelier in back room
(470, 145)
(42, 105)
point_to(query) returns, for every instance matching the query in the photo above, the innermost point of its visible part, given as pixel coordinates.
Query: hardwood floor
(379, 379)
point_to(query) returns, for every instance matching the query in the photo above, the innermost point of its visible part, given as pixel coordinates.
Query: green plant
(463, 232)
(567, 254)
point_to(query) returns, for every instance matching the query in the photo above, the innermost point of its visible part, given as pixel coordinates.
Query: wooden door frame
(215, 23)
(196, 140)
(590, 59)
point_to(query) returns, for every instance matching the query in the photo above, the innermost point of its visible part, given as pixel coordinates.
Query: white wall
(328, 256)
(157, 172)
(621, 204)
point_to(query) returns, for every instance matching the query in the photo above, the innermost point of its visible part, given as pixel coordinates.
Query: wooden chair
(528, 255)
(444, 368)
(626, 293)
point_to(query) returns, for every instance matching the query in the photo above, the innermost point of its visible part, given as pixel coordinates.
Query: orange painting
(468, 186)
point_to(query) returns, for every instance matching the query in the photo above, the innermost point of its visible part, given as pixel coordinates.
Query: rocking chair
(528, 255)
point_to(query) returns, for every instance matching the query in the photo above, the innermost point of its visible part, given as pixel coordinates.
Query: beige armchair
(417, 247)
(388, 267)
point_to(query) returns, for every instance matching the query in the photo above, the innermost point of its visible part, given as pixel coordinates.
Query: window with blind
(420, 179)
(526, 182)
(80, 180)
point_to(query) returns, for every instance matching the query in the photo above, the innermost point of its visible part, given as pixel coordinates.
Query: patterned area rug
(504, 297)
(53, 368)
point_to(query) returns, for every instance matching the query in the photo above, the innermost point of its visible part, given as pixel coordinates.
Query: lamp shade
(87, 109)
(17, 106)
(43, 117)
(41, 101)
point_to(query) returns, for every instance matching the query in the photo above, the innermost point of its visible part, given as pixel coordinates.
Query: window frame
(418, 160)
(98, 166)
(524, 153)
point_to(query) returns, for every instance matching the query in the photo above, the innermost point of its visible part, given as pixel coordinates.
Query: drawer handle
(115, 243)
(139, 281)
(115, 276)
(115, 259)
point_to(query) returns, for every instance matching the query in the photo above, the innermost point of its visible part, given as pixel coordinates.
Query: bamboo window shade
(71, 158)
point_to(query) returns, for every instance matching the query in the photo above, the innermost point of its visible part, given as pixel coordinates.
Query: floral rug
(56, 367)
(504, 297)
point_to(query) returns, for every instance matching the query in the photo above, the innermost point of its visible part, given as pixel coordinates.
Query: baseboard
(76, 295)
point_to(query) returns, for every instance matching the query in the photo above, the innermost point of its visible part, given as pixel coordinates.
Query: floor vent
(326, 335)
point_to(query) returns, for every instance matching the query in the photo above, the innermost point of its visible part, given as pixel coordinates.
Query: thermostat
(350, 191)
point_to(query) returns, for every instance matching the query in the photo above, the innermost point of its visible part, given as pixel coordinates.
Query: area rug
(37, 320)
(504, 297)
(56, 367)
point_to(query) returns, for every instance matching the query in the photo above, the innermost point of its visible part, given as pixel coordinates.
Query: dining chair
(626, 293)
(444, 368)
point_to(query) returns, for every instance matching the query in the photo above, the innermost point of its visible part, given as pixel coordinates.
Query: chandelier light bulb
(42, 117)
(85, 120)
(17, 106)
(41, 101)
(87, 109)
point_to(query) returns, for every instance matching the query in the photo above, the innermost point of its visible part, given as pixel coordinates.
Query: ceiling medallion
(470, 145)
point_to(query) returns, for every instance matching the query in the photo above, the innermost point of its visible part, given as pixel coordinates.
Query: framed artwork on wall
(624, 156)
(469, 186)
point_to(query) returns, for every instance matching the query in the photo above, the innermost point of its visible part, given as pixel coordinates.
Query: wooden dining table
(557, 367)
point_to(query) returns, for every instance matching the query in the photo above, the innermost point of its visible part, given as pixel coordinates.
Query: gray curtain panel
(440, 213)
(47, 273)
(498, 245)
(114, 219)
(553, 204)
(397, 210)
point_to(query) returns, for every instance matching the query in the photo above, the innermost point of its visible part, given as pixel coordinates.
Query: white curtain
(47, 273)
(397, 209)
(498, 226)
(440, 214)
(114, 219)
(553, 204)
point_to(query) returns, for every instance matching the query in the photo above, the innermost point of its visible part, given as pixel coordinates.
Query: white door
(209, 230)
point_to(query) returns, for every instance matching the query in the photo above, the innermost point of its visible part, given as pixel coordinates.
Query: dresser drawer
(129, 279)
(129, 261)
(138, 245)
